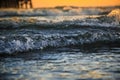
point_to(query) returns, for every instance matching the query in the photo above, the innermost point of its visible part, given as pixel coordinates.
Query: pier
(16, 4)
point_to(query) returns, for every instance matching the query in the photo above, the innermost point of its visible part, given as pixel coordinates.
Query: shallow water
(64, 63)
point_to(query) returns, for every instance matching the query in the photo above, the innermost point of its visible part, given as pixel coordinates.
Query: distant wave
(61, 21)
(57, 11)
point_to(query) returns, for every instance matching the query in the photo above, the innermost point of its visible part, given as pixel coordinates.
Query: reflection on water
(62, 64)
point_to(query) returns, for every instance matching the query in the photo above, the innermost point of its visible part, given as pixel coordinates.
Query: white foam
(115, 14)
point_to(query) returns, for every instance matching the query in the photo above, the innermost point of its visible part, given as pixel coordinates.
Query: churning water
(75, 47)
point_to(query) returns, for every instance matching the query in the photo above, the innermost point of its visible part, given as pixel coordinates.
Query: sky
(80, 3)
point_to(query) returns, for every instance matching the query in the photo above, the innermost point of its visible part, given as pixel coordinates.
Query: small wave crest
(57, 11)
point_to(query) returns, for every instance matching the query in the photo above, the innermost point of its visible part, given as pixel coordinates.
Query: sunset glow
(80, 3)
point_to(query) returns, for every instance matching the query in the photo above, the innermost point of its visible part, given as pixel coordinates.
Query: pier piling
(16, 4)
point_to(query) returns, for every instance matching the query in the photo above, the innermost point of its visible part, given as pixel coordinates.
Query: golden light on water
(81, 3)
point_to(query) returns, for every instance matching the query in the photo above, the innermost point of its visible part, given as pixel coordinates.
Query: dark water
(59, 48)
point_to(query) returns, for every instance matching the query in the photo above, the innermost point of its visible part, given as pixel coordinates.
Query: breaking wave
(31, 41)
(63, 23)
(110, 20)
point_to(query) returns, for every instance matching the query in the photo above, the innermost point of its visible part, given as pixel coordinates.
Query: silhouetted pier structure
(16, 4)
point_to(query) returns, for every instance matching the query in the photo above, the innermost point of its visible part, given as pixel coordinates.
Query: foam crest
(19, 43)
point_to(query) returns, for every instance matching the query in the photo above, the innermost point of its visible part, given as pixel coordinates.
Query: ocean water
(68, 44)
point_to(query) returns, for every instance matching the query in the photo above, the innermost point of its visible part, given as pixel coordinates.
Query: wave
(115, 15)
(18, 42)
(59, 22)
(39, 33)
(57, 11)
(110, 20)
